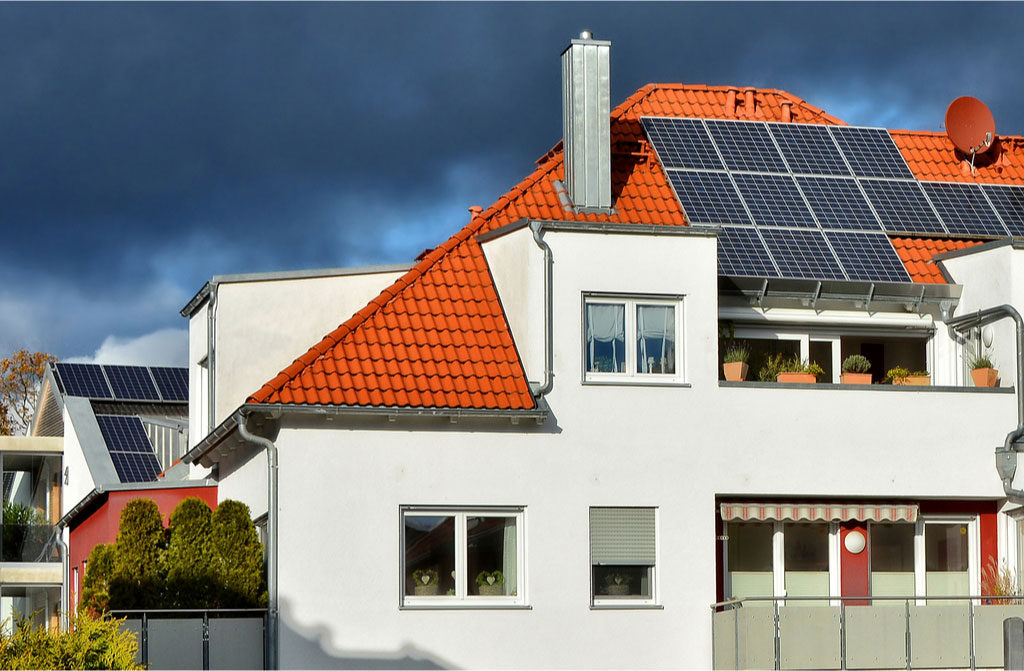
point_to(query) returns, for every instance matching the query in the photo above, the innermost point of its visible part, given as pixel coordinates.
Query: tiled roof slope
(917, 253)
(438, 338)
(932, 157)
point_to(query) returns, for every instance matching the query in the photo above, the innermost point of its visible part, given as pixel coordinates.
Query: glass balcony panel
(28, 543)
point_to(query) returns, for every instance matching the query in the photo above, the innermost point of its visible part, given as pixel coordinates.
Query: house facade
(521, 451)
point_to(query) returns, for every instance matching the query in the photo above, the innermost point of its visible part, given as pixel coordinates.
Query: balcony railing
(28, 543)
(890, 633)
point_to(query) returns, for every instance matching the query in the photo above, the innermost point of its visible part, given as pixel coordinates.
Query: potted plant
(897, 375)
(490, 584)
(617, 584)
(855, 370)
(735, 362)
(424, 582)
(983, 372)
(795, 369)
(919, 378)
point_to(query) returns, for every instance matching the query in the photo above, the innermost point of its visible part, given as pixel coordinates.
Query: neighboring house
(124, 430)
(521, 451)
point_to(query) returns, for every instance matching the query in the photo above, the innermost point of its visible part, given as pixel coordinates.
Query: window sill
(626, 605)
(463, 605)
(627, 381)
(867, 387)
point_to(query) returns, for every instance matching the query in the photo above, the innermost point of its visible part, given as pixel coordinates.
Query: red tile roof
(438, 338)
(917, 253)
(932, 157)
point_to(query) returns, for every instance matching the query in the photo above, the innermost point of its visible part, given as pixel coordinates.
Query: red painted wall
(854, 568)
(101, 525)
(988, 535)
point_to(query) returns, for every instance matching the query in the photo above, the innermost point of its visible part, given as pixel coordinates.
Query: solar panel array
(123, 383)
(814, 201)
(129, 448)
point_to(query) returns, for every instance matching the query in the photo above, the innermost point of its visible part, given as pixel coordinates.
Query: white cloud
(166, 347)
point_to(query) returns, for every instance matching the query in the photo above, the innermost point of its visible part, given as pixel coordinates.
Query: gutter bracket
(817, 295)
(871, 296)
(920, 299)
(762, 294)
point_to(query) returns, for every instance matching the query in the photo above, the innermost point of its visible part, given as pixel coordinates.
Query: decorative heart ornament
(490, 580)
(618, 580)
(425, 579)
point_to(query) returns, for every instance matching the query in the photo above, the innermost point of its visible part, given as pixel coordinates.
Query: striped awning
(820, 512)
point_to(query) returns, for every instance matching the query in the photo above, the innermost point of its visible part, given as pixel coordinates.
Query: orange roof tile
(932, 157)
(438, 338)
(917, 253)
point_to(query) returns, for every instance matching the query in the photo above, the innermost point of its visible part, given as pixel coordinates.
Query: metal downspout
(272, 597)
(1006, 456)
(538, 236)
(211, 359)
(65, 578)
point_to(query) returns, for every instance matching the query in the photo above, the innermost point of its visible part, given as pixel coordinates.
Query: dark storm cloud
(146, 147)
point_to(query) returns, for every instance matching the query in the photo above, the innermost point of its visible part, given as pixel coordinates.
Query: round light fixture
(855, 542)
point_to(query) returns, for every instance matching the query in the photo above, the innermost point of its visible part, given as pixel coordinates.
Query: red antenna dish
(970, 126)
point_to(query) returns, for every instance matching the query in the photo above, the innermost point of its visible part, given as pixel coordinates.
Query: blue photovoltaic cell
(868, 256)
(124, 433)
(963, 209)
(708, 197)
(172, 382)
(773, 200)
(801, 254)
(837, 202)
(746, 145)
(131, 383)
(902, 207)
(741, 253)
(135, 467)
(83, 379)
(1009, 203)
(682, 143)
(809, 149)
(871, 152)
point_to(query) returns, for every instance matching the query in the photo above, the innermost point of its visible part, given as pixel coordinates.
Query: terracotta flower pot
(736, 371)
(618, 590)
(491, 590)
(984, 377)
(855, 378)
(919, 380)
(806, 378)
(425, 590)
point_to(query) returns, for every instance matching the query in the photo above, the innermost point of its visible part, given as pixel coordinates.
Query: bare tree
(20, 375)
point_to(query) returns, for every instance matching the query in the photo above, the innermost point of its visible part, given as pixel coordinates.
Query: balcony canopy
(819, 512)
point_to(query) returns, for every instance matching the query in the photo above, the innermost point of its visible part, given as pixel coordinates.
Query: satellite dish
(970, 126)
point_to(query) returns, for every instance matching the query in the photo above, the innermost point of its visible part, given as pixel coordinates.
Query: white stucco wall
(79, 479)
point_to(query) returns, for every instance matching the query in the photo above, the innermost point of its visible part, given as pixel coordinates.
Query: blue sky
(146, 147)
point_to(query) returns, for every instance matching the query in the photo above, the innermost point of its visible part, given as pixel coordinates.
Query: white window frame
(630, 302)
(973, 552)
(597, 602)
(461, 598)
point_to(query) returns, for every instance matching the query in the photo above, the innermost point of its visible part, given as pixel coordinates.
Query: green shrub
(96, 583)
(897, 375)
(771, 368)
(980, 361)
(188, 561)
(237, 557)
(817, 371)
(737, 353)
(87, 644)
(856, 363)
(137, 578)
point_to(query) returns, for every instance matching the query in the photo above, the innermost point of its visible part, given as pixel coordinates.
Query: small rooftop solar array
(123, 383)
(129, 448)
(815, 202)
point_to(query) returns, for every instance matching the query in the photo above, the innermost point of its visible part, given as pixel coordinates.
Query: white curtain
(606, 323)
(508, 556)
(655, 322)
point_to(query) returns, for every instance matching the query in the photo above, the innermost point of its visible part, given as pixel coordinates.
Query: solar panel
(131, 383)
(746, 145)
(682, 143)
(708, 197)
(871, 152)
(809, 149)
(129, 448)
(773, 200)
(741, 253)
(83, 379)
(172, 382)
(838, 202)
(1009, 203)
(964, 209)
(902, 207)
(802, 254)
(867, 256)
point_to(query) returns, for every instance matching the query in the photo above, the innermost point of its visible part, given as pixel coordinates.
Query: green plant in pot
(425, 582)
(617, 584)
(919, 378)
(795, 369)
(490, 583)
(983, 371)
(735, 363)
(855, 370)
(897, 375)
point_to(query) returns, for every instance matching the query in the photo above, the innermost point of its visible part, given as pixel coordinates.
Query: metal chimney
(586, 110)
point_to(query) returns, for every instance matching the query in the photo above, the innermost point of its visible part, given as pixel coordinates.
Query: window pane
(656, 339)
(750, 546)
(806, 547)
(429, 555)
(606, 338)
(945, 547)
(492, 556)
(892, 547)
(622, 582)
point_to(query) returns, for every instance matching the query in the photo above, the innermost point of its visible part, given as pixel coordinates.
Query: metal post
(778, 645)
(145, 640)
(970, 603)
(909, 646)
(1013, 644)
(736, 635)
(842, 634)
(206, 639)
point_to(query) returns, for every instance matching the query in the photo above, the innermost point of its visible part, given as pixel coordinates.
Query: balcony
(28, 543)
(890, 633)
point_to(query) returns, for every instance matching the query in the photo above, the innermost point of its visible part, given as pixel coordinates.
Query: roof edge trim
(97, 492)
(983, 247)
(601, 228)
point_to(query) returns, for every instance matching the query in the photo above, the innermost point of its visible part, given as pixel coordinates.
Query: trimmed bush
(88, 644)
(96, 583)
(238, 558)
(188, 561)
(137, 580)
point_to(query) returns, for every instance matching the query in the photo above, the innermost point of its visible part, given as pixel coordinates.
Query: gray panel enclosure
(175, 643)
(135, 626)
(586, 95)
(236, 643)
(876, 637)
(809, 638)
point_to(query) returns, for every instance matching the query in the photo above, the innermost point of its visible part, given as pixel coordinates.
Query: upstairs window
(633, 339)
